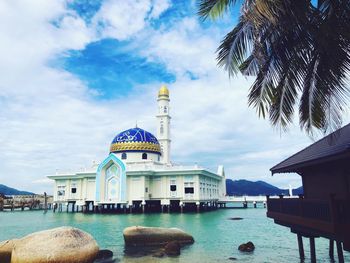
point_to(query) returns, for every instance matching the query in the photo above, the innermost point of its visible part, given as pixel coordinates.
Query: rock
(150, 236)
(6, 250)
(104, 255)
(58, 245)
(235, 218)
(173, 248)
(246, 247)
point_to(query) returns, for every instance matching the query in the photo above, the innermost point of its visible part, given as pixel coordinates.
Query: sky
(75, 73)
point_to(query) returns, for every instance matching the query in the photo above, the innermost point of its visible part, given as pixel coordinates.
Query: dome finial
(163, 92)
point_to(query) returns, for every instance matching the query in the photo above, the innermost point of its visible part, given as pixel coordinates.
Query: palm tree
(299, 53)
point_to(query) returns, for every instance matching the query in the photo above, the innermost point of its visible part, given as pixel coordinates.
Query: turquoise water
(216, 237)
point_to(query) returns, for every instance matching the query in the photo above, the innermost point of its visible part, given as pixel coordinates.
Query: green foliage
(299, 54)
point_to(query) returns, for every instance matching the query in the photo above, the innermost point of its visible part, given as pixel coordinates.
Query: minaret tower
(163, 123)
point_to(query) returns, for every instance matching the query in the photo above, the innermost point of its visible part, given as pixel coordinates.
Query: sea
(216, 235)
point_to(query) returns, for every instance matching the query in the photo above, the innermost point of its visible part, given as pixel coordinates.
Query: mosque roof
(135, 140)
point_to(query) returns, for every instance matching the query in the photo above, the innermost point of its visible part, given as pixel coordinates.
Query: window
(74, 190)
(123, 156)
(173, 188)
(161, 129)
(165, 109)
(146, 189)
(189, 190)
(144, 156)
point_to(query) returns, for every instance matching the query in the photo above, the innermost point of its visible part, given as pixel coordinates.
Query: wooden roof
(328, 148)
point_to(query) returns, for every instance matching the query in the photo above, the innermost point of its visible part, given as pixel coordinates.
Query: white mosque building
(138, 175)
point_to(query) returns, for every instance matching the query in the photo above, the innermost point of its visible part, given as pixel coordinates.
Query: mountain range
(5, 190)
(245, 187)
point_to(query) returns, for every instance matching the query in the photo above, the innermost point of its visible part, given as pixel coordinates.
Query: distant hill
(12, 191)
(245, 187)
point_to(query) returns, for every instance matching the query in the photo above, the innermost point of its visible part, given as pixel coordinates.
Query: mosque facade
(138, 174)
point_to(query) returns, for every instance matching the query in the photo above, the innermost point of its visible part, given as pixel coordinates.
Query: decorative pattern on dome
(135, 139)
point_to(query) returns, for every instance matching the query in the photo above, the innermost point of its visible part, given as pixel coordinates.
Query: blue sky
(75, 73)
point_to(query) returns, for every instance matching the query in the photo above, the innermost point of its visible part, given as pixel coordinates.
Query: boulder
(103, 256)
(173, 248)
(153, 236)
(246, 247)
(6, 250)
(58, 245)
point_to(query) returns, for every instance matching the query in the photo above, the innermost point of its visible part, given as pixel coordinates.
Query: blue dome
(135, 139)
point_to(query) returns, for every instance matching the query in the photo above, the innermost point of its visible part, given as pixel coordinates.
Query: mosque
(138, 175)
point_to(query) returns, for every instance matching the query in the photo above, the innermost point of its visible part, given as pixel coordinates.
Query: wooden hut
(324, 209)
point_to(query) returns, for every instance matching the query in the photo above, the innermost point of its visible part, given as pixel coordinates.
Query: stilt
(331, 249)
(198, 208)
(312, 250)
(143, 208)
(67, 207)
(162, 208)
(169, 208)
(1, 204)
(45, 201)
(181, 208)
(340, 252)
(254, 204)
(301, 247)
(130, 207)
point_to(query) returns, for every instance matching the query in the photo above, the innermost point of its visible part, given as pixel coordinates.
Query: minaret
(163, 123)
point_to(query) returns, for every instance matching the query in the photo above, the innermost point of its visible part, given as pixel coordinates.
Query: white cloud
(123, 19)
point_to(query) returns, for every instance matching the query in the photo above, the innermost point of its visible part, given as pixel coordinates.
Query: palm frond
(214, 8)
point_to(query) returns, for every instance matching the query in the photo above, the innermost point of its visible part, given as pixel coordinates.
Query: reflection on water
(216, 236)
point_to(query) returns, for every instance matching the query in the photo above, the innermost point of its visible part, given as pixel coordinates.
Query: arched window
(144, 156)
(123, 156)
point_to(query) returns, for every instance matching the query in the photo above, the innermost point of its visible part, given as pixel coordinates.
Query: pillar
(331, 249)
(340, 252)
(301, 247)
(181, 207)
(45, 201)
(312, 250)
(169, 208)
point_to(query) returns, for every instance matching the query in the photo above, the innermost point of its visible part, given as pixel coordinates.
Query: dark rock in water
(103, 255)
(173, 248)
(235, 218)
(232, 258)
(246, 247)
(151, 236)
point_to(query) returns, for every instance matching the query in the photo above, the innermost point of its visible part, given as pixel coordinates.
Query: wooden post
(331, 249)
(340, 252)
(1, 204)
(312, 250)
(301, 247)
(45, 201)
